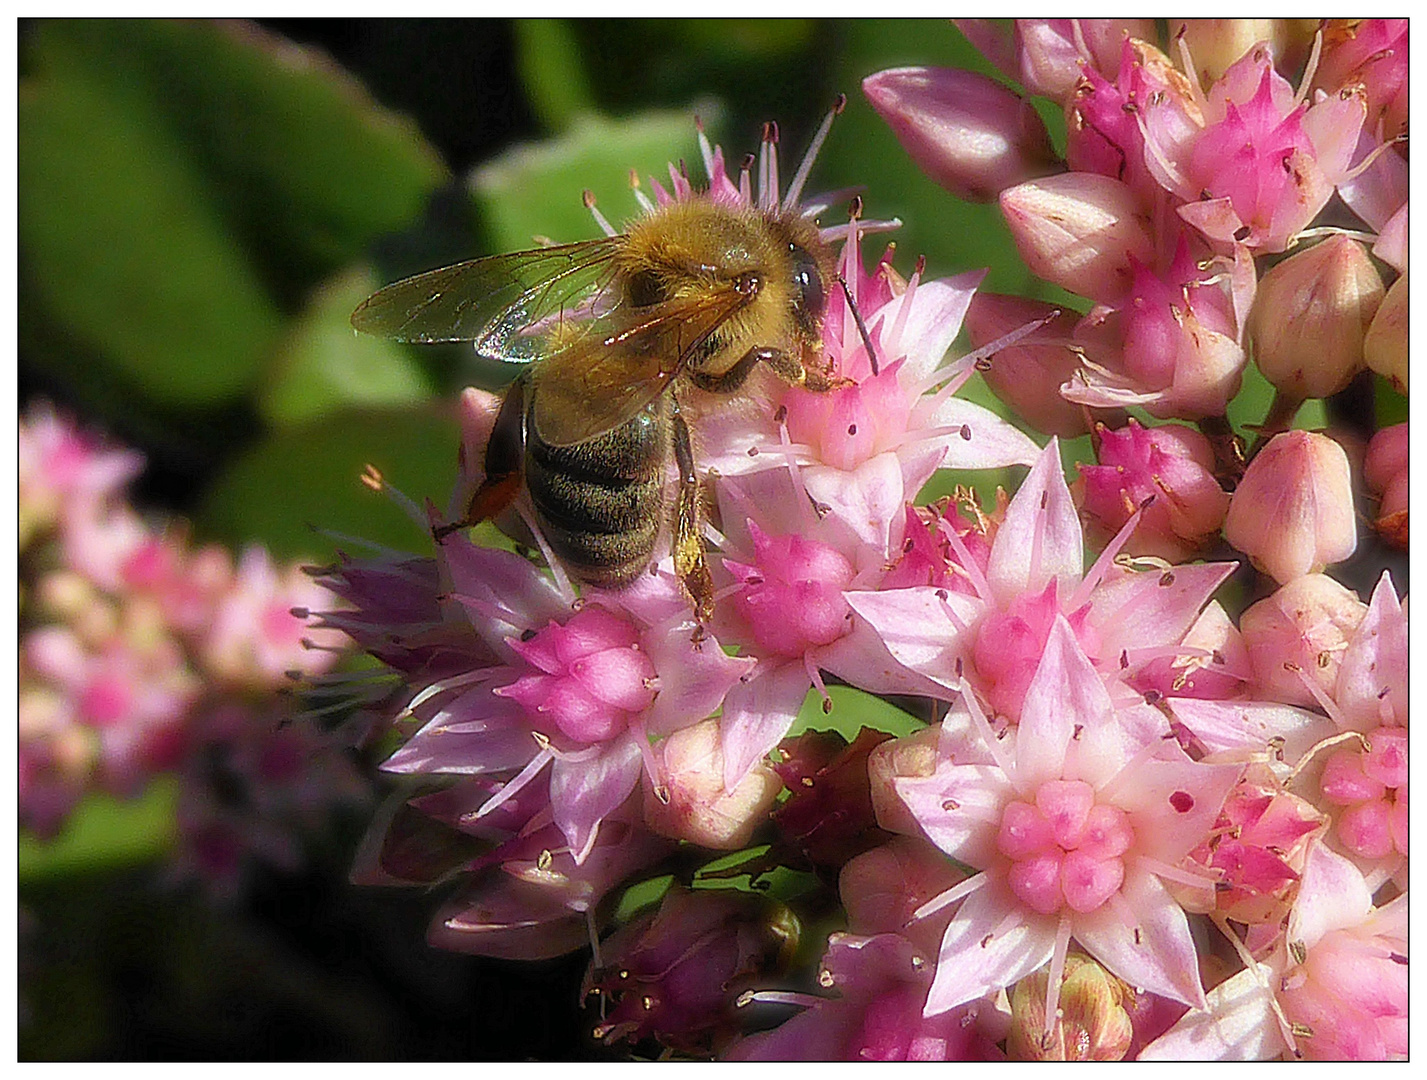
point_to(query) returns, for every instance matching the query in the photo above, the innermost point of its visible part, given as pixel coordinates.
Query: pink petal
(1065, 693)
(868, 499)
(1251, 725)
(1376, 661)
(583, 792)
(1173, 804)
(1332, 895)
(1137, 611)
(934, 320)
(862, 659)
(959, 808)
(1163, 960)
(757, 714)
(1037, 543)
(973, 963)
(1238, 1025)
(916, 629)
(692, 682)
(510, 594)
(985, 440)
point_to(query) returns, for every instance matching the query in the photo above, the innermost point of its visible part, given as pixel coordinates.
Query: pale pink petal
(1065, 693)
(1391, 246)
(1250, 725)
(1141, 610)
(502, 593)
(983, 440)
(868, 499)
(757, 714)
(1238, 1025)
(973, 962)
(862, 659)
(583, 792)
(1331, 896)
(959, 808)
(1333, 126)
(1037, 542)
(692, 681)
(493, 742)
(932, 323)
(1372, 681)
(916, 628)
(1173, 803)
(1163, 960)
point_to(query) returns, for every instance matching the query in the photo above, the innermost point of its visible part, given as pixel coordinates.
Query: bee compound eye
(645, 289)
(808, 280)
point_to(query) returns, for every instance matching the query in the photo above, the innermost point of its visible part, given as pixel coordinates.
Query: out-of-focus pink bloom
(972, 135)
(1168, 472)
(580, 689)
(828, 816)
(1265, 162)
(65, 475)
(675, 973)
(1310, 315)
(1385, 346)
(1080, 231)
(1028, 375)
(1300, 631)
(1338, 977)
(694, 805)
(1384, 468)
(1073, 818)
(186, 585)
(994, 634)
(1292, 513)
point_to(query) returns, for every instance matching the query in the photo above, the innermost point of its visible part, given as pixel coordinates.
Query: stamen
(510, 790)
(1091, 581)
(950, 896)
(1194, 880)
(988, 736)
(1318, 747)
(600, 220)
(811, 667)
(705, 151)
(1306, 85)
(795, 189)
(562, 580)
(1057, 969)
(893, 340)
(778, 997)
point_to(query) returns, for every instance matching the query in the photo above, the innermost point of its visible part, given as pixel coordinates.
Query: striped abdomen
(600, 503)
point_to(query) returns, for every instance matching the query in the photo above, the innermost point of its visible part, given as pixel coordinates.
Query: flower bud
(1292, 513)
(1169, 471)
(911, 755)
(1310, 316)
(881, 890)
(828, 815)
(1028, 375)
(699, 809)
(1385, 346)
(1051, 56)
(1373, 54)
(1215, 44)
(1079, 231)
(1385, 469)
(969, 133)
(1091, 1023)
(1300, 631)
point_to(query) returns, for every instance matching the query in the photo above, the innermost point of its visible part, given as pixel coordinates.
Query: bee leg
(505, 453)
(687, 544)
(734, 377)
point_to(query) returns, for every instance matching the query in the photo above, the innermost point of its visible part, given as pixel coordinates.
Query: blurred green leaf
(733, 41)
(852, 710)
(640, 896)
(306, 477)
(122, 244)
(1391, 406)
(535, 189)
(104, 833)
(322, 365)
(305, 165)
(552, 71)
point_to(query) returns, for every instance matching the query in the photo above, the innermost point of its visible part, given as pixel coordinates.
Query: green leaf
(535, 189)
(104, 833)
(1391, 405)
(852, 710)
(322, 365)
(307, 478)
(640, 896)
(304, 164)
(552, 71)
(123, 247)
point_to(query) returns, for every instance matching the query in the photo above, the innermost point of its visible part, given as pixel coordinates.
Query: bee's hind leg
(505, 456)
(687, 544)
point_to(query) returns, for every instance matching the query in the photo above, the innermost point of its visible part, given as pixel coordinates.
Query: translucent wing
(618, 366)
(504, 303)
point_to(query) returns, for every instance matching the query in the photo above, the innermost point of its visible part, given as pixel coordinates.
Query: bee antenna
(795, 188)
(861, 325)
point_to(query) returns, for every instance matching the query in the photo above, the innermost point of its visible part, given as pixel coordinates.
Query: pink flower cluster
(142, 656)
(1160, 810)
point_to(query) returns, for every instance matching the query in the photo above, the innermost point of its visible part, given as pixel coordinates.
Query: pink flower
(694, 805)
(66, 476)
(1385, 470)
(1297, 637)
(1048, 55)
(577, 688)
(1074, 818)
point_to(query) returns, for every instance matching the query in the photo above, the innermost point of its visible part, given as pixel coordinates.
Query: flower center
(1065, 848)
(792, 596)
(1371, 785)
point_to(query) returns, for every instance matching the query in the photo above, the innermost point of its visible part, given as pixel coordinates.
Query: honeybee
(614, 333)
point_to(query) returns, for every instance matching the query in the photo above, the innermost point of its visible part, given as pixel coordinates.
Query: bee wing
(502, 303)
(616, 368)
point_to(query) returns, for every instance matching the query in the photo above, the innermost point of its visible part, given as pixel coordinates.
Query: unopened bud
(911, 755)
(1168, 470)
(1292, 513)
(1385, 470)
(1028, 375)
(1385, 347)
(1091, 1023)
(694, 805)
(969, 133)
(1300, 631)
(1051, 56)
(1310, 316)
(1215, 44)
(1079, 230)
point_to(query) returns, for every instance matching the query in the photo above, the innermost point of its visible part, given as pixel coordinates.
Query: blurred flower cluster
(1159, 809)
(143, 656)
